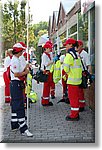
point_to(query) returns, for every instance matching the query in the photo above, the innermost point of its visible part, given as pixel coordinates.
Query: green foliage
(14, 28)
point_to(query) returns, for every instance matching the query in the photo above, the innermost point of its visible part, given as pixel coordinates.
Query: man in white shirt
(87, 64)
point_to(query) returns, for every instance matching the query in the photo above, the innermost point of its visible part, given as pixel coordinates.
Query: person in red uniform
(6, 75)
(72, 67)
(52, 89)
(46, 66)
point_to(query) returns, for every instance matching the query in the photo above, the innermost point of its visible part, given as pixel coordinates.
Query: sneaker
(68, 118)
(27, 133)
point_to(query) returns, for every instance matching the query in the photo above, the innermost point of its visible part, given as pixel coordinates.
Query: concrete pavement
(48, 124)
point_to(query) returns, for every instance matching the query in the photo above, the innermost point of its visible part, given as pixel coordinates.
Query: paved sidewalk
(48, 124)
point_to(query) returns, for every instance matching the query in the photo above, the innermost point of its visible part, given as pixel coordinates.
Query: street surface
(48, 124)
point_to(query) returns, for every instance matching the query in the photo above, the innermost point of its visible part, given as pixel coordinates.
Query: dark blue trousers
(17, 106)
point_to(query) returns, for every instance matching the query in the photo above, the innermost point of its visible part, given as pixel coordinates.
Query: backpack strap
(74, 55)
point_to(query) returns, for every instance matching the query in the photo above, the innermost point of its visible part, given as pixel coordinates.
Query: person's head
(49, 42)
(18, 49)
(70, 43)
(80, 45)
(47, 47)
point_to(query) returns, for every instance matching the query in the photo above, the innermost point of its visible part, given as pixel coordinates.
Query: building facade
(77, 23)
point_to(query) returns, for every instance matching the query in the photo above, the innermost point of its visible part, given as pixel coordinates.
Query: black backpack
(40, 76)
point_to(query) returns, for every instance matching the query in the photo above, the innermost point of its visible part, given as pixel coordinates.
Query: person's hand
(26, 71)
(55, 59)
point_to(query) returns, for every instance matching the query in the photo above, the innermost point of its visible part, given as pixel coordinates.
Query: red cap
(23, 44)
(69, 41)
(18, 47)
(80, 42)
(49, 42)
(47, 45)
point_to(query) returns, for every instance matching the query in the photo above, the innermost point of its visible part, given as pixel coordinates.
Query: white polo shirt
(45, 61)
(85, 58)
(22, 62)
(15, 67)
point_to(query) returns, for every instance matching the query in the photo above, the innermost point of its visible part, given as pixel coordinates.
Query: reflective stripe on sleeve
(66, 65)
(75, 67)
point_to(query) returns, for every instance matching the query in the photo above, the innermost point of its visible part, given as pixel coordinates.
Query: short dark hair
(76, 44)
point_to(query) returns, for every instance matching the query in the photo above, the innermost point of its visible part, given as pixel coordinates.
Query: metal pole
(58, 50)
(27, 56)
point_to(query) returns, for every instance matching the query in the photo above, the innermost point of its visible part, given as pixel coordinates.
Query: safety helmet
(33, 96)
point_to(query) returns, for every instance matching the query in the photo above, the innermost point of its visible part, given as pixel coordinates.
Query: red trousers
(46, 89)
(73, 92)
(81, 98)
(7, 87)
(52, 89)
(64, 86)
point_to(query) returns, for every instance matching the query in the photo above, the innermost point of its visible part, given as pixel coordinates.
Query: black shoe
(81, 109)
(62, 100)
(68, 118)
(52, 97)
(67, 101)
(49, 104)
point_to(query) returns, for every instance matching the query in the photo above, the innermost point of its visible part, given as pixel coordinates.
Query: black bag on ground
(40, 76)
